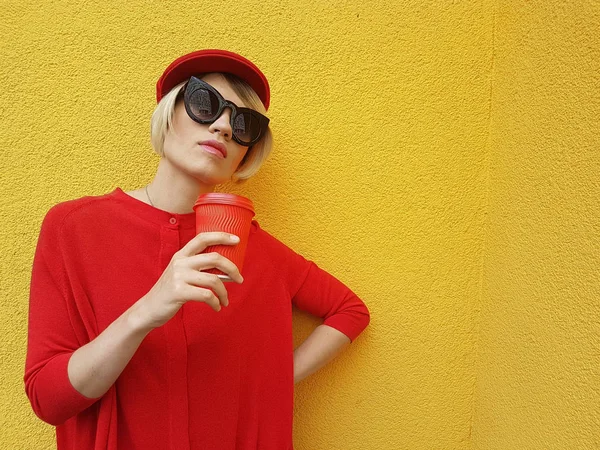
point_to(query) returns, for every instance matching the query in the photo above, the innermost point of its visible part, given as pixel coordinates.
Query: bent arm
(61, 383)
(65, 372)
(345, 317)
(323, 295)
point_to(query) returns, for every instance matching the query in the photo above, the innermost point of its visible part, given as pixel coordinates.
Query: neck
(172, 191)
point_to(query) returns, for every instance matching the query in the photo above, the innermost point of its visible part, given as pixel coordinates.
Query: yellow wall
(381, 114)
(539, 367)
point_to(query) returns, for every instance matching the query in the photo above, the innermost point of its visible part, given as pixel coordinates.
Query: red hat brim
(213, 60)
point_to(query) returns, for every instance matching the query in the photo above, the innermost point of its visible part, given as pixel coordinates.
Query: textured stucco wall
(380, 112)
(538, 377)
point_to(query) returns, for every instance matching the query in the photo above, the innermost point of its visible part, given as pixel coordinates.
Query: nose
(223, 123)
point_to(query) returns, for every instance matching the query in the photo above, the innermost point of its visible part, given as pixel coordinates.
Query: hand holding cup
(184, 279)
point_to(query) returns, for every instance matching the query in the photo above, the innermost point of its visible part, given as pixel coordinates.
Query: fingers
(215, 260)
(204, 295)
(203, 240)
(213, 290)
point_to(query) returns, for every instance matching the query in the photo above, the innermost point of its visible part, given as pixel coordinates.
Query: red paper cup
(229, 213)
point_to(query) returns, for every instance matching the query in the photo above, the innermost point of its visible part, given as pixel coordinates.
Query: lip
(215, 145)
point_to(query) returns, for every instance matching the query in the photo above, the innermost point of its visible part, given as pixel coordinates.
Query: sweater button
(173, 220)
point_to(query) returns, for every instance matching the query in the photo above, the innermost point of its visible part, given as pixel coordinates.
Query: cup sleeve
(51, 338)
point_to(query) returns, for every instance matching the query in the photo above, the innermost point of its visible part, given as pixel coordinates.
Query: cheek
(186, 131)
(179, 143)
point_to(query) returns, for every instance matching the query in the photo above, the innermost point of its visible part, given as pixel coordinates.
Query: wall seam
(479, 300)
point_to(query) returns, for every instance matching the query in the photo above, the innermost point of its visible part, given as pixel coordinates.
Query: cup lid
(224, 199)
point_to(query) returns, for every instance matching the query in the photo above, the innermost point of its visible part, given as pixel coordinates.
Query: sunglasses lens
(246, 127)
(204, 104)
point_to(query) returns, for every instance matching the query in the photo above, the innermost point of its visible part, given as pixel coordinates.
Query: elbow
(52, 397)
(361, 312)
(365, 317)
(50, 419)
(43, 407)
(351, 320)
(362, 317)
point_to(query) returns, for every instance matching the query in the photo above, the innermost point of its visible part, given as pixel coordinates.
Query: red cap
(213, 60)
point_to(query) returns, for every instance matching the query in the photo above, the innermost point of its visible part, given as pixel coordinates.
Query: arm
(345, 317)
(57, 383)
(319, 348)
(94, 367)
(66, 369)
(319, 293)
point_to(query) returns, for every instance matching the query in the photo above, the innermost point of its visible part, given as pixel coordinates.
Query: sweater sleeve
(51, 339)
(321, 294)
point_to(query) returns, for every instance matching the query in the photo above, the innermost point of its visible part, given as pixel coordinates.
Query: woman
(131, 345)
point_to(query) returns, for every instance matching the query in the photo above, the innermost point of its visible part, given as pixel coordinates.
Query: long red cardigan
(206, 379)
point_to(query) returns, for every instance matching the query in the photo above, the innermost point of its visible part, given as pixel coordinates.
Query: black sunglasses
(204, 105)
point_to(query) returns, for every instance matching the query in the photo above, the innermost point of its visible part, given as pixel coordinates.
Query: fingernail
(234, 238)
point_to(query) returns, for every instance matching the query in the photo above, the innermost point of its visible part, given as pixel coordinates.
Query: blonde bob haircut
(162, 121)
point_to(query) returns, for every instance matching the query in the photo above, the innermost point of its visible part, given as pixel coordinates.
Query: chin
(206, 177)
(204, 169)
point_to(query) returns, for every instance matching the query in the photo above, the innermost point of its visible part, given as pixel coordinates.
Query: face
(182, 143)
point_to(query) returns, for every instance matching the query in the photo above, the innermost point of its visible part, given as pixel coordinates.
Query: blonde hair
(162, 121)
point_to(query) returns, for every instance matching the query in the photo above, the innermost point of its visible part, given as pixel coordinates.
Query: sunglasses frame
(195, 83)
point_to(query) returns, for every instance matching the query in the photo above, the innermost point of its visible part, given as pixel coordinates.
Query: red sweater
(204, 380)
